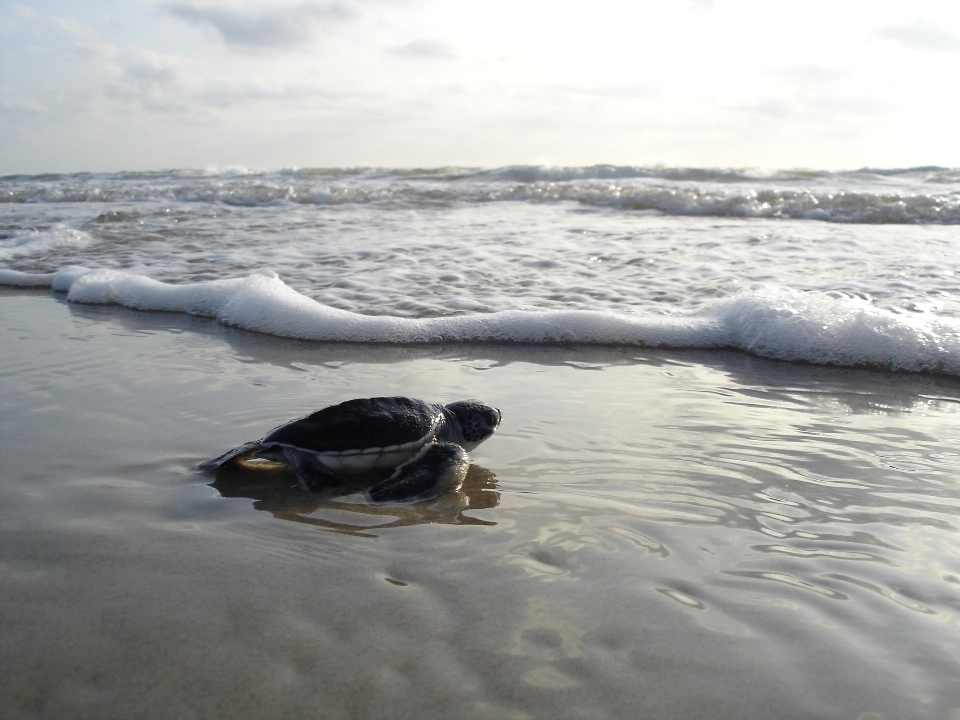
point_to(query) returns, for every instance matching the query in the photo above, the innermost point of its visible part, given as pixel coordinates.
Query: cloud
(25, 13)
(268, 28)
(921, 35)
(637, 90)
(812, 75)
(150, 75)
(161, 83)
(223, 97)
(37, 25)
(822, 107)
(427, 49)
(814, 92)
(93, 51)
(14, 106)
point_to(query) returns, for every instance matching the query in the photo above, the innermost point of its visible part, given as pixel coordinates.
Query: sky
(149, 85)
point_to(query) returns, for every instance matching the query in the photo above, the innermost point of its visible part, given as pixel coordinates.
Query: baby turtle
(427, 443)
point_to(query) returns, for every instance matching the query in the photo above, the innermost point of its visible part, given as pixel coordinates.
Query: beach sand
(649, 534)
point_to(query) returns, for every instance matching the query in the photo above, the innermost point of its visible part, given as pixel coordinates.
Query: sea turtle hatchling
(427, 443)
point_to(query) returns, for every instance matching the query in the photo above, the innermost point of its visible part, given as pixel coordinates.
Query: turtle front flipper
(229, 456)
(438, 468)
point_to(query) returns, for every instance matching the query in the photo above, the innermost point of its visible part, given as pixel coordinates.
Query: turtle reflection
(345, 509)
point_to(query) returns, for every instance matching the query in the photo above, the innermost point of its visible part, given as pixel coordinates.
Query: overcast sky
(136, 84)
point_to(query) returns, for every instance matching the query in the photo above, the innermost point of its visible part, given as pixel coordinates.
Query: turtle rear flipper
(312, 474)
(436, 469)
(230, 455)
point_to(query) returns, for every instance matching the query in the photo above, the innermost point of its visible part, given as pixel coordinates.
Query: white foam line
(768, 321)
(266, 304)
(16, 278)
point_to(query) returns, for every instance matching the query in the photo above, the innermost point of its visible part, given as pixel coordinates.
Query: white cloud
(93, 51)
(147, 83)
(13, 106)
(921, 35)
(427, 49)
(275, 27)
(628, 91)
(24, 12)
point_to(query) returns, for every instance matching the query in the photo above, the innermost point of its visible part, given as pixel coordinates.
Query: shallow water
(648, 534)
(432, 260)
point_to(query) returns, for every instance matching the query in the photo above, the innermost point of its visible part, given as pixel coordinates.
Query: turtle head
(476, 421)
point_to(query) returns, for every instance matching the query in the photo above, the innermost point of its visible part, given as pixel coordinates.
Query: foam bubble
(63, 280)
(769, 321)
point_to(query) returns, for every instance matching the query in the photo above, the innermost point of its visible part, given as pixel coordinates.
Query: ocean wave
(34, 242)
(932, 174)
(802, 204)
(768, 321)
(909, 196)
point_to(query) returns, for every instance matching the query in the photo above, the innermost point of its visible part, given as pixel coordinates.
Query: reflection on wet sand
(666, 532)
(344, 509)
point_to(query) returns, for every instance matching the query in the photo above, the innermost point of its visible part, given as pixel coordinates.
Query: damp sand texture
(649, 534)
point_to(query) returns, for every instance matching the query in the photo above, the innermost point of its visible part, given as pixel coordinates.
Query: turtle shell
(367, 426)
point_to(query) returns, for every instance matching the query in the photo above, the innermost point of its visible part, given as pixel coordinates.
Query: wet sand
(649, 534)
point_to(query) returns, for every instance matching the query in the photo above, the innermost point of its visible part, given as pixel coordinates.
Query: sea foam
(768, 321)
(35, 242)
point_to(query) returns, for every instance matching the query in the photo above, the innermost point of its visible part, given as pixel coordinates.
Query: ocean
(852, 269)
(726, 481)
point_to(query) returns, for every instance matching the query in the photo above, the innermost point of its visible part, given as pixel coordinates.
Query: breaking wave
(768, 321)
(35, 242)
(928, 195)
